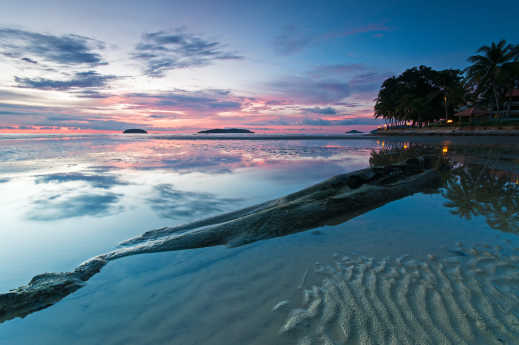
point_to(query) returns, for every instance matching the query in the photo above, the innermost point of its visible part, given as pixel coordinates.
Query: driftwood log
(331, 202)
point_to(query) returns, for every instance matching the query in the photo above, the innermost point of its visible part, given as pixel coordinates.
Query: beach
(106, 189)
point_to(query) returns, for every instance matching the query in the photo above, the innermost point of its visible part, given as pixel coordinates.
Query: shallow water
(68, 198)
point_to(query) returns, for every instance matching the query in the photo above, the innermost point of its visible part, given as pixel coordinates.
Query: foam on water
(471, 299)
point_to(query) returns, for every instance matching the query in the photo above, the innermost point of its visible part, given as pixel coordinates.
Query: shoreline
(268, 137)
(384, 134)
(455, 131)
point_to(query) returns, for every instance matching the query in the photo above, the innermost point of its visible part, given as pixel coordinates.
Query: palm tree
(488, 68)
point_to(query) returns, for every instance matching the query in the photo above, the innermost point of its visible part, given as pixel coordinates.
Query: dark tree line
(422, 95)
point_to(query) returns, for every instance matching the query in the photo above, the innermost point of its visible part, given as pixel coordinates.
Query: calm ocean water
(436, 268)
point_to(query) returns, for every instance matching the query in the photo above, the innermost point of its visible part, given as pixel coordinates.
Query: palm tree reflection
(470, 189)
(477, 190)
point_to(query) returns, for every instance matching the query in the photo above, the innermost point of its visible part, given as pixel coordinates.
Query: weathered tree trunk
(333, 201)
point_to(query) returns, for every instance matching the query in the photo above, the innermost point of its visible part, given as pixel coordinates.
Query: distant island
(354, 131)
(225, 130)
(135, 131)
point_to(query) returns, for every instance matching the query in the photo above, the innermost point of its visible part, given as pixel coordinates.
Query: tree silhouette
(420, 95)
(493, 72)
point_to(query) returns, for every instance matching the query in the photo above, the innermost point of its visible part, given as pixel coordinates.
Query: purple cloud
(163, 51)
(89, 79)
(213, 100)
(292, 39)
(343, 122)
(319, 110)
(309, 91)
(62, 50)
(338, 69)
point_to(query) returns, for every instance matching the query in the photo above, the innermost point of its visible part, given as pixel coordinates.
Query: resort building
(511, 106)
(470, 113)
(510, 109)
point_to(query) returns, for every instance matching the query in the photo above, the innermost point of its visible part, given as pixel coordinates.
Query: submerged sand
(470, 298)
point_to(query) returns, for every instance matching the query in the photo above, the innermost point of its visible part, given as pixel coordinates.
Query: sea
(435, 267)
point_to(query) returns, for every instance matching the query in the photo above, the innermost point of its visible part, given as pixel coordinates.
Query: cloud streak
(343, 122)
(62, 50)
(162, 51)
(310, 91)
(319, 110)
(293, 39)
(89, 79)
(208, 101)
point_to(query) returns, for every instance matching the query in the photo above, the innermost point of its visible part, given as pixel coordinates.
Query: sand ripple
(472, 299)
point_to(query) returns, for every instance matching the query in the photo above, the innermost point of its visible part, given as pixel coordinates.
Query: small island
(225, 130)
(354, 131)
(134, 131)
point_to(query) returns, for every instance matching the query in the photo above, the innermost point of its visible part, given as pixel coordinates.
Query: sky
(182, 66)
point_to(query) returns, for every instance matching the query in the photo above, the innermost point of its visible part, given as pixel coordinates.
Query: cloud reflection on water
(172, 203)
(96, 181)
(75, 177)
(62, 206)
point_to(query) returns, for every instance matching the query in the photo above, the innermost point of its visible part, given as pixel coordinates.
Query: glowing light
(445, 149)
(406, 146)
(450, 121)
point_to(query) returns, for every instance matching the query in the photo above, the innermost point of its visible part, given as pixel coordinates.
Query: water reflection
(481, 182)
(172, 203)
(476, 190)
(63, 205)
(87, 193)
(393, 153)
(70, 177)
(225, 157)
(118, 188)
(96, 181)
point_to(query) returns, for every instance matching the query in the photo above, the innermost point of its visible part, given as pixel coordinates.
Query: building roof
(513, 93)
(472, 111)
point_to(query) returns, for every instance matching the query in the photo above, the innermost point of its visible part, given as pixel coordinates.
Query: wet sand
(471, 298)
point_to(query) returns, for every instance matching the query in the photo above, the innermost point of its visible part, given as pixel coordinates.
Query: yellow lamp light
(450, 121)
(445, 149)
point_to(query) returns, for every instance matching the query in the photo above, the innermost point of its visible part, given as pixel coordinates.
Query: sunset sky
(182, 66)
